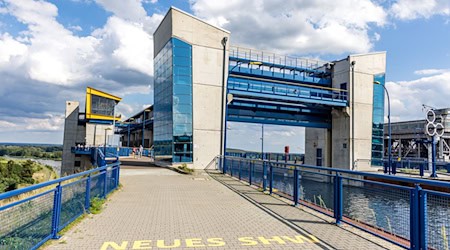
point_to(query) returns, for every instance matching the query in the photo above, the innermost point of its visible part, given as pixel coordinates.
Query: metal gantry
(272, 89)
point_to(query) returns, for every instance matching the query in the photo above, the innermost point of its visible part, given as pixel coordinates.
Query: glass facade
(102, 106)
(173, 101)
(378, 121)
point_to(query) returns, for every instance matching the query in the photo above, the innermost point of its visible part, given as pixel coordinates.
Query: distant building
(83, 130)
(137, 129)
(201, 82)
(410, 141)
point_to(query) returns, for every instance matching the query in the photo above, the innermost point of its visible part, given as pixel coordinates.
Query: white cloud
(5, 125)
(49, 123)
(10, 50)
(430, 71)
(75, 28)
(47, 63)
(407, 97)
(248, 137)
(296, 26)
(127, 44)
(413, 9)
(125, 9)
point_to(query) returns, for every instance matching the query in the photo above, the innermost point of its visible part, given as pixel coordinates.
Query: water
(56, 165)
(385, 208)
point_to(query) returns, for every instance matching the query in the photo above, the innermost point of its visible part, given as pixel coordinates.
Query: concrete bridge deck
(158, 208)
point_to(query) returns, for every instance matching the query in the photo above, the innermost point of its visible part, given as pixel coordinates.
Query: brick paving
(157, 207)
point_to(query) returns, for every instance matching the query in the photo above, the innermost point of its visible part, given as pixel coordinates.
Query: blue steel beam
(278, 122)
(264, 114)
(312, 99)
(298, 68)
(288, 77)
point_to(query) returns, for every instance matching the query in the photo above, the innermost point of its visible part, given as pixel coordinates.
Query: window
(173, 101)
(102, 106)
(378, 121)
(318, 157)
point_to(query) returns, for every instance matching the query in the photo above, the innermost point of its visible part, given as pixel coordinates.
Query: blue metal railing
(412, 213)
(30, 216)
(286, 91)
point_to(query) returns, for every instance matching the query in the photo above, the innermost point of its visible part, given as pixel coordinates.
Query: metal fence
(30, 216)
(412, 213)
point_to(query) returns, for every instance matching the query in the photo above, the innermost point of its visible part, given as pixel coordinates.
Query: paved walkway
(158, 208)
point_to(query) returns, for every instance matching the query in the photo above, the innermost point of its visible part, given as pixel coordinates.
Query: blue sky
(51, 50)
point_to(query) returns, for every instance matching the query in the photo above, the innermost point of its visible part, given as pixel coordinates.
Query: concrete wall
(366, 65)
(162, 34)
(207, 76)
(70, 137)
(318, 138)
(95, 134)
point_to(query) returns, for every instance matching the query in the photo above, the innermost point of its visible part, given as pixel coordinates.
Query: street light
(389, 129)
(104, 146)
(228, 101)
(225, 106)
(262, 141)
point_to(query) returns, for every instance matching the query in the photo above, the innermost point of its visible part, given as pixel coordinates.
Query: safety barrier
(405, 165)
(32, 215)
(411, 213)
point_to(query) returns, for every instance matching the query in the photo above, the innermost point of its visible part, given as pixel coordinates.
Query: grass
(185, 169)
(97, 205)
(63, 231)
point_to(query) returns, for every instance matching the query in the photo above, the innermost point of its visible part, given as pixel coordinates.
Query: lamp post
(104, 146)
(262, 141)
(143, 126)
(389, 129)
(225, 105)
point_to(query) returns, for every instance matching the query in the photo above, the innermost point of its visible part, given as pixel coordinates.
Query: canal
(385, 208)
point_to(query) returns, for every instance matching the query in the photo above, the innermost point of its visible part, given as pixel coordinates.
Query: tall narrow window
(318, 157)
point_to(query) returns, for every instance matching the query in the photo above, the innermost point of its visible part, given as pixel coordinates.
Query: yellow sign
(210, 242)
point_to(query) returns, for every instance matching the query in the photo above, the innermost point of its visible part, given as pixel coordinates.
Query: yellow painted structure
(89, 93)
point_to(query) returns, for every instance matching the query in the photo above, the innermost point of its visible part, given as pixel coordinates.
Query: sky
(50, 50)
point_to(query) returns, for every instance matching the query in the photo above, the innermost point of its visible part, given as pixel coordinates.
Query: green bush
(184, 168)
(13, 173)
(46, 152)
(96, 205)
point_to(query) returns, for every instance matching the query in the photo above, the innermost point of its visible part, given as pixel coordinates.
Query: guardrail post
(239, 166)
(105, 187)
(87, 201)
(271, 179)
(338, 199)
(56, 211)
(264, 176)
(296, 186)
(414, 230)
(423, 219)
(421, 167)
(224, 165)
(231, 168)
(117, 175)
(250, 172)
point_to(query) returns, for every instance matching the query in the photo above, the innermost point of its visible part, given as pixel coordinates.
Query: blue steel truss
(272, 89)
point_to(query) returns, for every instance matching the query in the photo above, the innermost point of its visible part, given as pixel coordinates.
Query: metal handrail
(416, 230)
(344, 171)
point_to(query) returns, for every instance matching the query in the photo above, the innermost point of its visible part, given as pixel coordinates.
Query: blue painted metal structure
(272, 89)
(415, 229)
(29, 222)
